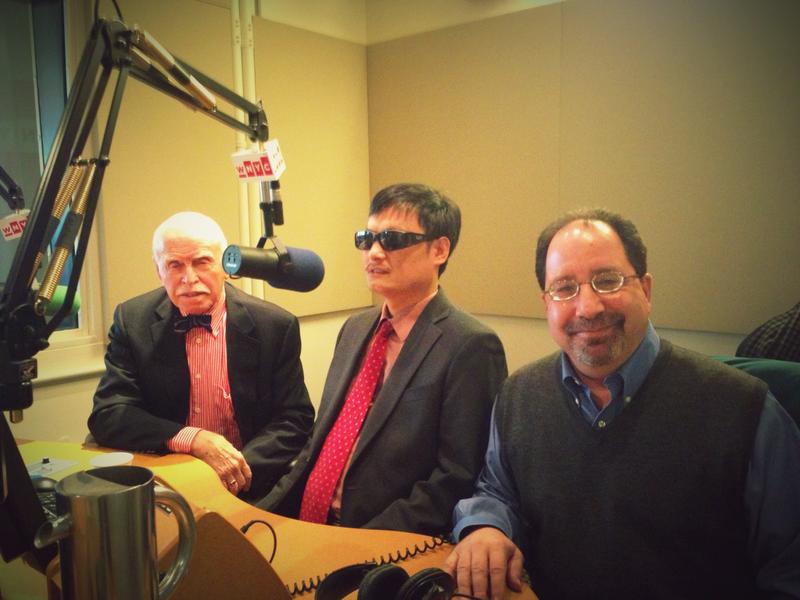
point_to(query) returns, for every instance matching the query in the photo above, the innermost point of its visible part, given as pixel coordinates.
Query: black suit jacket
(422, 443)
(142, 400)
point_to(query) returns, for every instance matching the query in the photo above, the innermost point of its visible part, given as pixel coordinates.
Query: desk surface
(305, 551)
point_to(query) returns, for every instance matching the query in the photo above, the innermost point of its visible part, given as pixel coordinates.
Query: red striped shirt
(210, 405)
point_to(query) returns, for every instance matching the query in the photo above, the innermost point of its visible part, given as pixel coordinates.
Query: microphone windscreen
(306, 274)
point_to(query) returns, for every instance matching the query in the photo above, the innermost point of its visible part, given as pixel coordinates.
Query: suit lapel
(243, 349)
(171, 348)
(416, 347)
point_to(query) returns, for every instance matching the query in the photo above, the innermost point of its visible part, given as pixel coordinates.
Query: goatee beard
(615, 340)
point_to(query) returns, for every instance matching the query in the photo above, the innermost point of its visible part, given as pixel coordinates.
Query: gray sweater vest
(651, 505)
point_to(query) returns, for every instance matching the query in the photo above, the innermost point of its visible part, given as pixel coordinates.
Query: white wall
(59, 411)
(390, 19)
(342, 19)
(372, 21)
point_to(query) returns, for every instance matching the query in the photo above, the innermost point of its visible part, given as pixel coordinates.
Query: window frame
(78, 352)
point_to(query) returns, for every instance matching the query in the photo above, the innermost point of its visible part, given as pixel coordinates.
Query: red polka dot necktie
(337, 446)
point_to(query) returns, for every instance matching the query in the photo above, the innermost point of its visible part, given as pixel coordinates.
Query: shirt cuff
(182, 441)
(478, 512)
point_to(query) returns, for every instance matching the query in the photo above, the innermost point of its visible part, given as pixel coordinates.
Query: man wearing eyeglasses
(404, 417)
(625, 466)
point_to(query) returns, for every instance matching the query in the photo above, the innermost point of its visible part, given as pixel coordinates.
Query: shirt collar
(630, 375)
(403, 321)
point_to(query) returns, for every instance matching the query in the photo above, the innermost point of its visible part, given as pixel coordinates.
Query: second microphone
(295, 269)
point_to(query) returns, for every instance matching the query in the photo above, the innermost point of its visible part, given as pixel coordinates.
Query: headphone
(386, 582)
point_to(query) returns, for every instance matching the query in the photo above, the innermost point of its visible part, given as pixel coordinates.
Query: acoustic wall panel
(685, 117)
(473, 110)
(682, 116)
(315, 89)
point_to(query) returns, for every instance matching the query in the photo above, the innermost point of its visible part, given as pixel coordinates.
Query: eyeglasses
(390, 239)
(606, 282)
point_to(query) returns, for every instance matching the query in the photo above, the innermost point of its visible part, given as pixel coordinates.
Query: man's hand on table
(486, 560)
(228, 463)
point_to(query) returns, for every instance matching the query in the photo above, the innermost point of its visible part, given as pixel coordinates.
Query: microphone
(286, 268)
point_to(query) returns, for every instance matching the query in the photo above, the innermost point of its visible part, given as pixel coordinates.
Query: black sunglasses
(390, 239)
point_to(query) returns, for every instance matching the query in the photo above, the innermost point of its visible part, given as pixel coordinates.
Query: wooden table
(228, 563)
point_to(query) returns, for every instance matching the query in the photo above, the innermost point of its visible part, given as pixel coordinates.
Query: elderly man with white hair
(198, 366)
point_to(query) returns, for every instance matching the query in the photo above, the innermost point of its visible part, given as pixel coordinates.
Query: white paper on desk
(40, 469)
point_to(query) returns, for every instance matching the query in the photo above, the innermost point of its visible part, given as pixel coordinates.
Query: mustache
(602, 320)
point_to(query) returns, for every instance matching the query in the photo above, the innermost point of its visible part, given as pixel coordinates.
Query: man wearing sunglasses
(624, 466)
(404, 417)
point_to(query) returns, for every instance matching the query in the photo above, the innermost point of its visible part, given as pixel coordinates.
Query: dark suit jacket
(142, 400)
(422, 443)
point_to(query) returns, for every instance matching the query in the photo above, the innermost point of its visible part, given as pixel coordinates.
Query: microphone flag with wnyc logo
(252, 165)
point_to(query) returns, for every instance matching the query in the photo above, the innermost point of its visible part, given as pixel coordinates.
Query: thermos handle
(187, 535)
(52, 532)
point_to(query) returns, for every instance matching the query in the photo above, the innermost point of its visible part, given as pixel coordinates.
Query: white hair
(192, 225)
